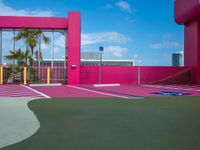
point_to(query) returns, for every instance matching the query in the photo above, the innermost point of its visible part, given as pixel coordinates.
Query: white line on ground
(46, 96)
(53, 84)
(97, 92)
(105, 85)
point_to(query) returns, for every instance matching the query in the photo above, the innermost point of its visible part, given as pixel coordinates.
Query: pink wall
(74, 44)
(152, 74)
(110, 74)
(125, 75)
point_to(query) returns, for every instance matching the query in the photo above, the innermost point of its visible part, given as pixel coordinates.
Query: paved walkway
(17, 122)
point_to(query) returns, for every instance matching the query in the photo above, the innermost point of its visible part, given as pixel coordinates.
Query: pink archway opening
(72, 26)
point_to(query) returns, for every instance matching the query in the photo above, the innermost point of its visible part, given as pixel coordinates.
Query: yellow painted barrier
(1, 75)
(48, 75)
(25, 75)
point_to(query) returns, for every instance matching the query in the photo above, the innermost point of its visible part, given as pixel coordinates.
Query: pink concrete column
(192, 48)
(74, 45)
(187, 12)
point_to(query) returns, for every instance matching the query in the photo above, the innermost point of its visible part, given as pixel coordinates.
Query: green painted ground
(108, 124)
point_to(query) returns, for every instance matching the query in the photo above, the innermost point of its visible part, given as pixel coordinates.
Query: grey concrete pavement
(17, 121)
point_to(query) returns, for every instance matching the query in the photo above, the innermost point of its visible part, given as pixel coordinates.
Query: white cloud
(167, 36)
(170, 44)
(156, 46)
(45, 46)
(181, 52)
(9, 11)
(104, 37)
(60, 40)
(59, 46)
(124, 5)
(139, 62)
(116, 51)
(109, 6)
(135, 55)
(166, 44)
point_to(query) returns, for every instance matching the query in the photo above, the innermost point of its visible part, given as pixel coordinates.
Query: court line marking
(172, 88)
(97, 92)
(40, 93)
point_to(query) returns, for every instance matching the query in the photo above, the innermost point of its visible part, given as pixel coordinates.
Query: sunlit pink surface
(123, 90)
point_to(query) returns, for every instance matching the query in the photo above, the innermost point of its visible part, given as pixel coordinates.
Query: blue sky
(142, 30)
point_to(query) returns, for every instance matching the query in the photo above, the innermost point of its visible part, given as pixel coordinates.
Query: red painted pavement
(67, 92)
(17, 91)
(146, 90)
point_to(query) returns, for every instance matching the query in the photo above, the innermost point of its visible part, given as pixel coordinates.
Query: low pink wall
(151, 74)
(125, 74)
(110, 74)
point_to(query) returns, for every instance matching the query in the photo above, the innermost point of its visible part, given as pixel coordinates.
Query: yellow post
(48, 75)
(25, 75)
(1, 75)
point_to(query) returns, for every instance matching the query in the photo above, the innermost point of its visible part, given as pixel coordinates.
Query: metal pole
(52, 54)
(65, 56)
(14, 43)
(1, 47)
(100, 68)
(66, 49)
(39, 56)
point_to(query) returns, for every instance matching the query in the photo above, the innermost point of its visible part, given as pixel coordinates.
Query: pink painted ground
(17, 91)
(147, 90)
(123, 91)
(67, 92)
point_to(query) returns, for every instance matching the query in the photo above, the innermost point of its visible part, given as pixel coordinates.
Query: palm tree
(18, 56)
(31, 36)
(15, 72)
